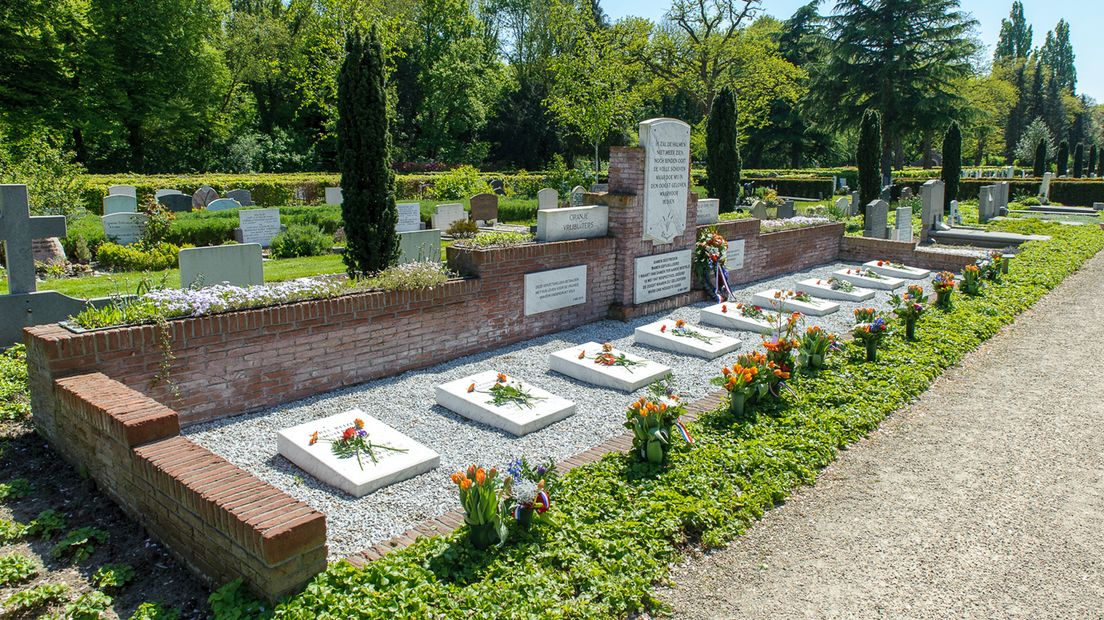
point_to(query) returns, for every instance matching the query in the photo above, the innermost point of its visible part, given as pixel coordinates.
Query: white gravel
(406, 402)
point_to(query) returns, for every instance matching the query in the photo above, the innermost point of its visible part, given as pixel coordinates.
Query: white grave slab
(856, 276)
(734, 259)
(729, 316)
(823, 289)
(709, 211)
(895, 270)
(125, 228)
(555, 289)
(511, 417)
(346, 474)
(259, 225)
(661, 275)
(334, 196)
(665, 335)
(119, 203)
(568, 362)
(448, 214)
(666, 145)
(813, 307)
(410, 217)
(572, 223)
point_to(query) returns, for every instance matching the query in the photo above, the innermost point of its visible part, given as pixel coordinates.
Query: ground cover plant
(621, 523)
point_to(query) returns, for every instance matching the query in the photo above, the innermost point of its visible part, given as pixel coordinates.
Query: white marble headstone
(259, 225)
(448, 214)
(410, 217)
(125, 228)
(548, 198)
(119, 203)
(666, 144)
(709, 211)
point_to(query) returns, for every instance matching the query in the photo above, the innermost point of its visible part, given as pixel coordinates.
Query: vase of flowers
(481, 494)
(814, 348)
(971, 280)
(532, 491)
(870, 333)
(909, 308)
(653, 420)
(944, 285)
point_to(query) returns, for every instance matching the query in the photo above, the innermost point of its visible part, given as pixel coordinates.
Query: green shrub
(25, 601)
(299, 241)
(460, 183)
(137, 258)
(87, 606)
(16, 488)
(11, 531)
(47, 523)
(15, 568)
(154, 611)
(15, 401)
(462, 229)
(79, 544)
(112, 576)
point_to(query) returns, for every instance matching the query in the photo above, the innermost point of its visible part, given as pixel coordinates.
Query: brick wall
(777, 253)
(863, 249)
(219, 520)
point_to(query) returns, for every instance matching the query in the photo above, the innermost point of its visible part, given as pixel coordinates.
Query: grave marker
(18, 231)
(665, 335)
(583, 367)
(876, 220)
(548, 198)
(555, 289)
(177, 203)
(125, 228)
(956, 217)
(477, 404)
(854, 203)
(903, 224)
(123, 190)
(1044, 189)
(709, 211)
(987, 207)
(223, 204)
(661, 275)
(259, 225)
(243, 196)
(484, 209)
(167, 192)
(203, 197)
(334, 196)
(931, 197)
(735, 257)
(786, 210)
(420, 246)
(578, 193)
(410, 217)
(119, 203)
(843, 205)
(666, 144)
(448, 214)
(759, 210)
(572, 223)
(237, 264)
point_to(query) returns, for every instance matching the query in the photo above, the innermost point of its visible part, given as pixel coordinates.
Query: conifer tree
(1078, 161)
(1092, 160)
(722, 143)
(1015, 36)
(952, 164)
(1040, 167)
(1100, 162)
(1063, 158)
(868, 158)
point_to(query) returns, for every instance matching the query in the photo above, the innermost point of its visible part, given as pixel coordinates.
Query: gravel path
(407, 403)
(984, 499)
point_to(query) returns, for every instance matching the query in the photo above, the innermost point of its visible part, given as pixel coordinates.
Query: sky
(1086, 18)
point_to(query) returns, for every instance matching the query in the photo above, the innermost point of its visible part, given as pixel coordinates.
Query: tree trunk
(926, 151)
(980, 150)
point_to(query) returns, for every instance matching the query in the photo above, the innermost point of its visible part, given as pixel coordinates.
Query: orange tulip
(501, 378)
(480, 475)
(582, 354)
(358, 423)
(465, 484)
(314, 438)
(471, 388)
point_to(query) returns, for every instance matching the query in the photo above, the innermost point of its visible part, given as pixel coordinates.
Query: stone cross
(17, 230)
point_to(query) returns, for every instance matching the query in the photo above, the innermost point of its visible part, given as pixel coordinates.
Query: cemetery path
(983, 499)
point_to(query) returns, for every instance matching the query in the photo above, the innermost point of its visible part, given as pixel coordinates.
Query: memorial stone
(333, 196)
(548, 198)
(119, 203)
(903, 228)
(709, 211)
(484, 209)
(237, 264)
(448, 214)
(572, 223)
(666, 144)
(759, 210)
(259, 225)
(661, 275)
(876, 220)
(223, 204)
(555, 289)
(786, 210)
(1044, 189)
(420, 246)
(177, 203)
(18, 231)
(124, 228)
(410, 217)
(203, 197)
(578, 193)
(167, 192)
(243, 196)
(123, 190)
(931, 198)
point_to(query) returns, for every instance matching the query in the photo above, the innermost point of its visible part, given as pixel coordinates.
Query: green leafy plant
(653, 420)
(16, 488)
(11, 531)
(79, 544)
(482, 495)
(157, 611)
(301, 240)
(460, 183)
(16, 568)
(412, 276)
(31, 599)
(157, 257)
(496, 239)
(112, 576)
(816, 343)
(462, 229)
(87, 606)
(972, 282)
(15, 402)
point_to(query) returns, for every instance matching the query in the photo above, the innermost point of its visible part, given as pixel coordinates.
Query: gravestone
(887, 193)
(955, 217)
(18, 231)
(903, 221)
(854, 203)
(814, 307)
(484, 209)
(759, 210)
(582, 367)
(410, 217)
(125, 228)
(555, 289)
(843, 205)
(237, 264)
(987, 203)
(669, 336)
(471, 397)
(578, 193)
(1044, 189)
(177, 203)
(906, 193)
(119, 203)
(444, 216)
(931, 198)
(243, 196)
(498, 186)
(258, 225)
(1098, 206)
(876, 220)
(1005, 191)
(666, 144)
(661, 275)
(333, 196)
(734, 259)
(548, 198)
(599, 188)
(223, 204)
(167, 192)
(572, 223)
(123, 190)
(709, 211)
(420, 246)
(868, 278)
(786, 210)
(203, 197)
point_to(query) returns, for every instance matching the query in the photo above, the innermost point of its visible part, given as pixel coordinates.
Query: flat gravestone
(572, 223)
(410, 217)
(420, 246)
(177, 203)
(685, 339)
(124, 228)
(333, 196)
(356, 477)
(203, 197)
(579, 363)
(759, 210)
(548, 198)
(578, 194)
(18, 231)
(555, 289)
(731, 315)
(243, 196)
(897, 270)
(167, 192)
(123, 190)
(259, 225)
(876, 220)
(835, 289)
(223, 204)
(709, 211)
(472, 398)
(661, 275)
(786, 210)
(444, 216)
(869, 278)
(812, 307)
(666, 144)
(119, 203)
(484, 208)
(237, 264)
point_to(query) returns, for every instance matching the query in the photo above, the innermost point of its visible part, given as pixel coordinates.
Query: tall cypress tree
(1040, 159)
(722, 143)
(1063, 158)
(1078, 161)
(1100, 162)
(952, 164)
(869, 158)
(364, 158)
(1092, 160)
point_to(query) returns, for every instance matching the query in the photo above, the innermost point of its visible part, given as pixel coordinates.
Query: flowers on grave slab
(483, 494)
(870, 330)
(533, 489)
(354, 442)
(682, 330)
(944, 285)
(971, 280)
(909, 308)
(802, 296)
(653, 420)
(505, 392)
(866, 273)
(815, 345)
(890, 264)
(608, 358)
(710, 254)
(836, 284)
(752, 312)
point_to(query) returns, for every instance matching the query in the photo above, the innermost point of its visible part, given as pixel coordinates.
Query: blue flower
(514, 468)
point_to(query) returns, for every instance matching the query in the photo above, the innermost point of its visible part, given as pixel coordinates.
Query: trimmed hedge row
(621, 524)
(1074, 193)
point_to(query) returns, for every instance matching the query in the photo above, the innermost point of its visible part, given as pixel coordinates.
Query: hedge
(621, 524)
(1070, 192)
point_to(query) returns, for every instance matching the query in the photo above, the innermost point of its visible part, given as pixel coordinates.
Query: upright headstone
(223, 204)
(1005, 194)
(786, 210)
(843, 205)
(709, 211)
(259, 225)
(887, 193)
(237, 264)
(119, 203)
(599, 188)
(987, 203)
(876, 220)
(759, 210)
(955, 217)
(333, 196)
(854, 203)
(1009, 172)
(1044, 189)
(124, 228)
(906, 192)
(18, 230)
(666, 144)
(931, 198)
(548, 198)
(123, 190)
(410, 217)
(903, 224)
(1098, 206)
(167, 192)
(498, 186)
(578, 193)
(484, 209)
(446, 215)
(243, 196)
(420, 246)
(203, 197)
(177, 203)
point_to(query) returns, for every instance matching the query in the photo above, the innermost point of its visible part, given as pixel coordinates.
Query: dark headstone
(484, 207)
(177, 203)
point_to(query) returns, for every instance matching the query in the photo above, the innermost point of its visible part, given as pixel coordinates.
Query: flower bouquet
(944, 285)
(532, 491)
(482, 494)
(909, 308)
(503, 392)
(993, 267)
(652, 421)
(839, 285)
(607, 358)
(746, 382)
(710, 254)
(682, 331)
(971, 280)
(870, 332)
(354, 442)
(751, 312)
(813, 349)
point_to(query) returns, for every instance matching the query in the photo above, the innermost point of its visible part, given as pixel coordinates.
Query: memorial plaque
(124, 228)
(572, 223)
(666, 145)
(410, 217)
(259, 225)
(735, 257)
(555, 289)
(709, 211)
(661, 275)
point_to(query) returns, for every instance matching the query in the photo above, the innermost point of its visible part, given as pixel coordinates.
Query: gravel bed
(406, 402)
